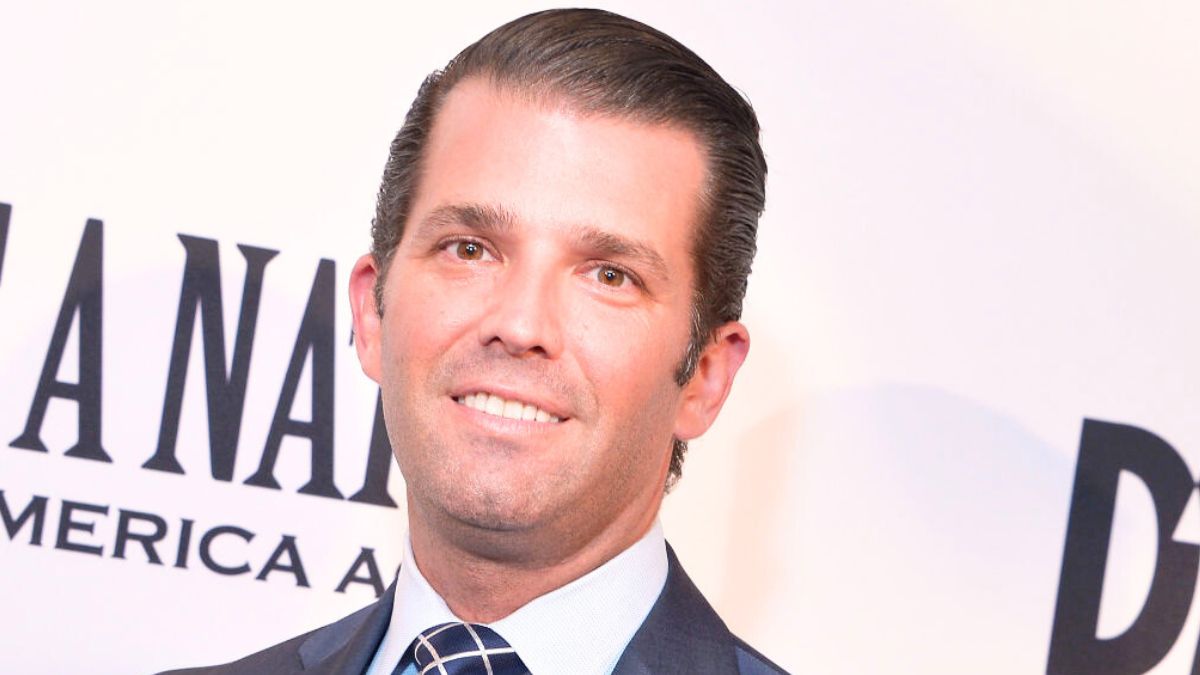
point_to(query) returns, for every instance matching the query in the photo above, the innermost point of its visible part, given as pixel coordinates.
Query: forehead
(553, 165)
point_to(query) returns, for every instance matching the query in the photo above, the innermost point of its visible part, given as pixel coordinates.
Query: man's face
(535, 312)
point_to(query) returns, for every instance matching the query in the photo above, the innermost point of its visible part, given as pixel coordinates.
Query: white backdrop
(982, 227)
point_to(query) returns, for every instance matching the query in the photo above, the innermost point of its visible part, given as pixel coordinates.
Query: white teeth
(512, 410)
(516, 410)
(495, 405)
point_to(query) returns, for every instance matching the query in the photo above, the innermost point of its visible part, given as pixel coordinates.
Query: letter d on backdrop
(1104, 451)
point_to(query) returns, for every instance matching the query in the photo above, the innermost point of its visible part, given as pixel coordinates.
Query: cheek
(422, 317)
(630, 361)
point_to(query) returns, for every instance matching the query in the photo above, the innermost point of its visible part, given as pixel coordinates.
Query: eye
(611, 276)
(469, 250)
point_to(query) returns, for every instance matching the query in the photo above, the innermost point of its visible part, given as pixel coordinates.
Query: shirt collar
(582, 627)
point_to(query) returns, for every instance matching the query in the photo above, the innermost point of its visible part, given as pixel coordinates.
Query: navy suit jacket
(682, 634)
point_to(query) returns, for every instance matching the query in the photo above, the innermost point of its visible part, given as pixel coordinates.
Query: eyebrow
(609, 245)
(479, 217)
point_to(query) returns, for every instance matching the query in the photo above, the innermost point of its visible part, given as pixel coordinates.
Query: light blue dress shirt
(581, 628)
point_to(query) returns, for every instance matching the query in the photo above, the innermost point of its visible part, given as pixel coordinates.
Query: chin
(499, 508)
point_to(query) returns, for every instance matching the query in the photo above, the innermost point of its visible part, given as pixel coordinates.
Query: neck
(483, 576)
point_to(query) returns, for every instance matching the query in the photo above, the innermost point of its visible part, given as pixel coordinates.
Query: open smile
(491, 404)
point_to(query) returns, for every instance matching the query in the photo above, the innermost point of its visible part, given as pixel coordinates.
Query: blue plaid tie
(465, 649)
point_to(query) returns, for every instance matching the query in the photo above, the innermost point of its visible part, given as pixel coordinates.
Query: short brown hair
(608, 64)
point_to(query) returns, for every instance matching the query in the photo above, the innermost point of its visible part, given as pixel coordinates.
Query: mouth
(513, 409)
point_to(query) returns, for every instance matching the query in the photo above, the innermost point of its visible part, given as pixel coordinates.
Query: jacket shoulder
(292, 655)
(281, 658)
(750, 661)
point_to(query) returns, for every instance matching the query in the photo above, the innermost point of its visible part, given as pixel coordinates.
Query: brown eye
(611, 277)
(468, 250)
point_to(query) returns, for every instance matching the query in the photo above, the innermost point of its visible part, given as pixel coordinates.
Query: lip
(511, 394)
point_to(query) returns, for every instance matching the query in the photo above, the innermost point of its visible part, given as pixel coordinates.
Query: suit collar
(347, 646)
(682, 633)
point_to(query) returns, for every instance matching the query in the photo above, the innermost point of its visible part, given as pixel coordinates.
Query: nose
(523, 313)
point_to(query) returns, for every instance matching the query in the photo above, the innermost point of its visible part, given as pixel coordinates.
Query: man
(564, 231)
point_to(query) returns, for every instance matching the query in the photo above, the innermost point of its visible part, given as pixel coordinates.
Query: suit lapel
(347, 646)
(682, 633)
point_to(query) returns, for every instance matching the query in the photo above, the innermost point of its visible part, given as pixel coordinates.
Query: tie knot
(465, 649)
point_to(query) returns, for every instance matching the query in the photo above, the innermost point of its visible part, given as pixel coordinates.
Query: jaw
(537, 515)
(502, 534)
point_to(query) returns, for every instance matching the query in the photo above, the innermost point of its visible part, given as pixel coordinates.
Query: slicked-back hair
(602, 63)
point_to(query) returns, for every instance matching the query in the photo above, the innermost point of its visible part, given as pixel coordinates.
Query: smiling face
(535, 312)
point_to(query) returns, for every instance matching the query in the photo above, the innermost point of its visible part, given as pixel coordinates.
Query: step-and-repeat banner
(965, 439)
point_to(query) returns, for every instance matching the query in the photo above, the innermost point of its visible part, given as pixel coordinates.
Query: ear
(705, 393)
(367, 322)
